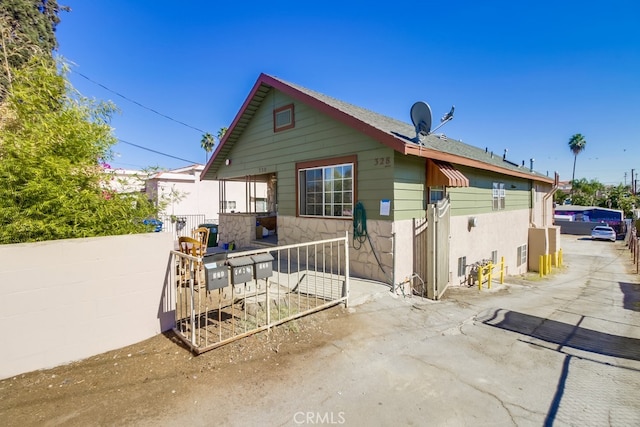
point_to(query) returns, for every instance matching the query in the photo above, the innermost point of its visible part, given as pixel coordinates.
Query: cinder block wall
(66, 300)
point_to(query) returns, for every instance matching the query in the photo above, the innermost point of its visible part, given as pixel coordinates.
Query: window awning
(442, 173)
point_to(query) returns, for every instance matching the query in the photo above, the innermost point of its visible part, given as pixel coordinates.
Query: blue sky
(523, 75)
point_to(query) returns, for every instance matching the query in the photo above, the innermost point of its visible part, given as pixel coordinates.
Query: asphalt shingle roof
(399, 135)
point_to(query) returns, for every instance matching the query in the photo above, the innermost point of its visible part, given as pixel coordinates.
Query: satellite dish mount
(421, 118)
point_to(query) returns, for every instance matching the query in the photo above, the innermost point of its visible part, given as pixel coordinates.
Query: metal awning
(443, 173)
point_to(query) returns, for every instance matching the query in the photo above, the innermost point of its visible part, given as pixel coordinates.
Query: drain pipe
(393, 255)
(545, 199)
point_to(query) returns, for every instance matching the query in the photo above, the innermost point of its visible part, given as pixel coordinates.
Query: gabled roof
(395, 134)
(187, 173)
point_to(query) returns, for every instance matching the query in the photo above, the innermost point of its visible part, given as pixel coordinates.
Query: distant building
(185, 195)
(580, 220)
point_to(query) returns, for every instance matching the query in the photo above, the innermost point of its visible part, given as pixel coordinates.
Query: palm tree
(221, 133)
(577, 144)
(207, 142)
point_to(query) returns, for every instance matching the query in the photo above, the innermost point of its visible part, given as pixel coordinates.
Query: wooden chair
(193, 247)
(202, 234)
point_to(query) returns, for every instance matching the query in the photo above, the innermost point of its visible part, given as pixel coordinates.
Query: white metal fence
(301, 279)
(181, 225)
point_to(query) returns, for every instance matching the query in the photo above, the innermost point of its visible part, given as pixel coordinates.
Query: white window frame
(325, 181)
(522, 255)
(462, 266)
(287, 113)
(498, 194)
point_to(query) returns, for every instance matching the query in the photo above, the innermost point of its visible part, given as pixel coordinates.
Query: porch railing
(304, 278)
(181, 225)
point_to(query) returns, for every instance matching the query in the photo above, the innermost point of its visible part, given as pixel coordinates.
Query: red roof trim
(235, 121)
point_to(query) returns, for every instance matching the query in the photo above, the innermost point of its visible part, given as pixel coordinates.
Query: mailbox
(215, 271)
(241, 269)
(263, 267)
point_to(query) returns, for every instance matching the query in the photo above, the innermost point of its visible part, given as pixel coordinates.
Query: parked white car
(603, 232)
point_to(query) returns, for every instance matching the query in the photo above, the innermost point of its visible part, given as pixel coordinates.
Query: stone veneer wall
(292, 230)
(237, 227)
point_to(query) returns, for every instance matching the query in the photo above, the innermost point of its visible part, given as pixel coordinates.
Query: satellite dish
(421, 118)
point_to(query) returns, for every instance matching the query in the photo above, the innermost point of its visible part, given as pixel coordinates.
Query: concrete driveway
(563, 350)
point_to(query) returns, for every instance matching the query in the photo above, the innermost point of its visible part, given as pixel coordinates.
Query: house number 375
(382, 161)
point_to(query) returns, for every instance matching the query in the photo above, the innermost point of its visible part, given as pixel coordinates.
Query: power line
(139, 104)
(154, 151)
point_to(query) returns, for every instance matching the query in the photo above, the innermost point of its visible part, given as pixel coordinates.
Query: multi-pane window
(498, 194)
(522, 255)
(229, 204)
(326, 191)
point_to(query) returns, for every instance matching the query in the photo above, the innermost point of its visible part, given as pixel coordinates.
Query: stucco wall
(501, 231)
(404, 244)
(66, 300)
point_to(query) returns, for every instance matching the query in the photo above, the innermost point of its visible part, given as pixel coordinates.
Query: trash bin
(213, 234)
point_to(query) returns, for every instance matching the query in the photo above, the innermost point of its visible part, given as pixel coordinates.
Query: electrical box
(263, 267)
(216, 274)
(241, 269)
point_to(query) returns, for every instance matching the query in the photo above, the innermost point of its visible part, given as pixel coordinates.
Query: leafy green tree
(53, 146)
(620, 197)
(585, 193)
(27, 28)
(577, 144)
(559, 197)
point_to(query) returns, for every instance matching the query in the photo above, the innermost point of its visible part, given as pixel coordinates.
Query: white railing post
(346, 268)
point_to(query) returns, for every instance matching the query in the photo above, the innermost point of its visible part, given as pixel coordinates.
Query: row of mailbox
(243, 269)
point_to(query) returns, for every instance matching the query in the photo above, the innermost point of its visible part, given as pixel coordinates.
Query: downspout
(545, 199)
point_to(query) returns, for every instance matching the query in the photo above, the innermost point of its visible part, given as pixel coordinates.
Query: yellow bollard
(548, 263)
(541, 266)
(560, 257)
(490, 268)
(501, 270)
(480, 277)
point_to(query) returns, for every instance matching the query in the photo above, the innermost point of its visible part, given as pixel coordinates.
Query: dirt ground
(142, 380)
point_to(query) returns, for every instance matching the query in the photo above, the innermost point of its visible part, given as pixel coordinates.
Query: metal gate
(300, 279)
(438, 217)
(431, 248)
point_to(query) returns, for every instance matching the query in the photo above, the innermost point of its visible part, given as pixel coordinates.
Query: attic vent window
(283, 118)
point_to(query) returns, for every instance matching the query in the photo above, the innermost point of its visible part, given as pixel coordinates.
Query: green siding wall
(478, 199)
(409, 187)
(382, 173)
(315, 136)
